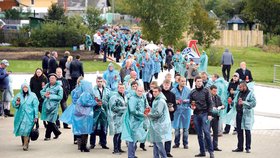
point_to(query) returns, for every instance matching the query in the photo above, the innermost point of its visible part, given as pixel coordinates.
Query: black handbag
(34, 134)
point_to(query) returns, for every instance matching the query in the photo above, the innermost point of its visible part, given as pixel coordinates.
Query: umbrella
(103, 27)
(125, 28)
(151, 47)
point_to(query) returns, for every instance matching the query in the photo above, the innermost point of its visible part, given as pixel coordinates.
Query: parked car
(11, 27)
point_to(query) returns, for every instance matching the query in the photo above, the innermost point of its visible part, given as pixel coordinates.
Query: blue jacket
(147, 70)
(112, 78)
(4, 81)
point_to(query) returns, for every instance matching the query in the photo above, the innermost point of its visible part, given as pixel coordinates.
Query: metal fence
(276, 74)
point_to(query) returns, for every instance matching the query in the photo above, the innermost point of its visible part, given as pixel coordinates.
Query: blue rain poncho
(100, 113)
(248, 112)
(147, 70)
(135, 123)
(157, 63)
(25, 112)
(67, 115)
(116, 111)
(177, 60)
(83, 114)
(182, 115)
(203, 62)
(51, 104)
(222, 92)
(160, 127)
(112, 78)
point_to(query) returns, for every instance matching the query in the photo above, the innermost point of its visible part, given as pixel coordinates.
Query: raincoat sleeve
(57, 96)
(157, 111)
(133, 108)
(35, 103)
(250, 103)
(43, 91)
(14, 101)
(114, 106)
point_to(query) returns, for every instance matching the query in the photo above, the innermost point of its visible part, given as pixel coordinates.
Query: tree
(12, 14)
(56, 12)
(164, 20)
(267, 12)
(202, 27)
(93, 18)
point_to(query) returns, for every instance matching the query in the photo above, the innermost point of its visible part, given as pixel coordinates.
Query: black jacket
(243, 76)
(76, 69)
(232, 85)
(150, 98)
(203, 101)
(36, 85)
(62, 63)
(45, 62)
(216, 102)
(52, 65)
(170, 98)
(65, 87)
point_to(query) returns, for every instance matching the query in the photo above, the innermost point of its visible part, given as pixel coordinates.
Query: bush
(214, 57)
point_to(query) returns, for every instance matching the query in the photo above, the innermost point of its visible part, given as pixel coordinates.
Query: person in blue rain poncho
(100, 114)
(52, 93)
(243, 113)
(182, 115)
(160, 124)
(176, 60)
(111, 45)
(112, 77)
(83, 114)
(147, 71)
(203, 62)
(157, 64)
(117, 108)
(135, 122)
(26, 113)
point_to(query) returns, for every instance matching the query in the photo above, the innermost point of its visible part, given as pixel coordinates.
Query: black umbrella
(125, 28)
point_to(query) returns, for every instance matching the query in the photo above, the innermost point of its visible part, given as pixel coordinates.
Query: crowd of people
(131, 103)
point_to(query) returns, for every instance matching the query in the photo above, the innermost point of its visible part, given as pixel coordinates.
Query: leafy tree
(164, 20)
(93, 18)
(12, 14)
(202, 27)
(56, 12)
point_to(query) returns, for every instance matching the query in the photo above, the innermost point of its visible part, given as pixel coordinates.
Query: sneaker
(248, 151)
(200, 155)
(175, 146)
(237, 150)
(212, 155)
(186, 147)
(116, 153)
(105, 147)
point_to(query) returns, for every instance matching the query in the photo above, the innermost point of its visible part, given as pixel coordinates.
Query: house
(235, 23)
(40, 7)
(7, 4)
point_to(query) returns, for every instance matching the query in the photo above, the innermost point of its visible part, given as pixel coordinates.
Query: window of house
(32, 2)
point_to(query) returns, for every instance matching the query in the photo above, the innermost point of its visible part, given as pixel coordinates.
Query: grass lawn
(29, 66)
(260, 63)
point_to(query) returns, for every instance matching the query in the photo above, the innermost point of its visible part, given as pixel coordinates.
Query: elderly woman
(26, 113)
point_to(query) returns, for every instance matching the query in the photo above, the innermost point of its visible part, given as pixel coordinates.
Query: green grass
(29, 66)
(259, 62)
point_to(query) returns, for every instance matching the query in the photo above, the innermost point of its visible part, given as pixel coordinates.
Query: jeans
(167, 146)
(102, 136)
(240, 134)
(226, 71)
(51, 127)
(178, 136)
(131, 149)
(159, 150)
(202, 126)
(117, 142)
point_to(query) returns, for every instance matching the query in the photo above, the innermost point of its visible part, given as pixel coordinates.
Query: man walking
(76, 70)
(53, 63)
(226, 63)
(4, 83)
(201, 103)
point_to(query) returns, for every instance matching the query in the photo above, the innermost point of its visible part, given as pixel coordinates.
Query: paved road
(265, 144)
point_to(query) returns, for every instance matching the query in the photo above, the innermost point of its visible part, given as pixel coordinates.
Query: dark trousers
(146, 86)
(102, 136)
(156, 75)
(167, 146)
(202, 127)
(227, 128)
(226, 71)
(240, 134)
(63, 106)
(40, 110)
(117, 142)
(73, 83)
(215, 129)
(97, 48)
(191, 83)
(51, 127)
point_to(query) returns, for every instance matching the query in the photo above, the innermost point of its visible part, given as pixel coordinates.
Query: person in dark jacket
(226, 63)
(45, 62)
(118, 51)
(168, 61)
(149, 95)
(66, 91)
(53, 63)
(232, 89)
(76, 70)
(217, 106)
(37, 82)
(63, 61)
(169, 49)
(171, 102)
(244, 73)
(4, 82)
(201, 103)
